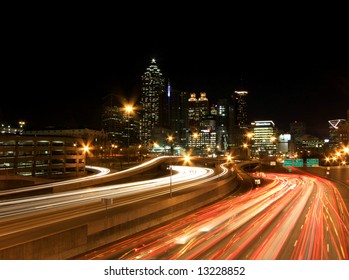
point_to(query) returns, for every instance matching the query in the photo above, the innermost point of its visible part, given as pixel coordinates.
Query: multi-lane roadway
(292, 217)
(29, 217)
(124, 193)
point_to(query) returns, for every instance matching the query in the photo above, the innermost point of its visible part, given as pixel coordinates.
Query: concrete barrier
(70, 238)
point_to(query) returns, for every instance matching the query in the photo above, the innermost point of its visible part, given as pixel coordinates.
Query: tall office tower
(153, 102)
(197, 108)
(193, 116)
(184, 97)
(240, 104)
(222, 123)
(112, 119)
(264, 141)
(297, 131)
(130, 133)
(178, 117)
(122, 128)
(336, 133)
(239, 110)
(203, 105)
(207, 135)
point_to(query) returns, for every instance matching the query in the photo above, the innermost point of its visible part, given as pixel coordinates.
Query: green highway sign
(312, 162)
(298, 162)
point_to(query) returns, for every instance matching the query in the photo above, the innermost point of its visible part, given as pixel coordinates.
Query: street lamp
(112, 149)
(249, 137)
(128, 109)
(86, 149)
(208, 151)
(248, 157)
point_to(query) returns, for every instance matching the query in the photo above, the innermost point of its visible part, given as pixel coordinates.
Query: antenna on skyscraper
(168, 89)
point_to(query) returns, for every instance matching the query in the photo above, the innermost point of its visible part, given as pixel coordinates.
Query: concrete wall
(79, 235)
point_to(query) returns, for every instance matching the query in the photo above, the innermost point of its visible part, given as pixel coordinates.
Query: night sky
(58, 78)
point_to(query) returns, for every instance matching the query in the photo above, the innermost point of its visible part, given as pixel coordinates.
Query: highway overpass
(61, 230)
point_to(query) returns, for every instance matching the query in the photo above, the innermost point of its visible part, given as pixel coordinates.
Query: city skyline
(59, 65)
(66, 87)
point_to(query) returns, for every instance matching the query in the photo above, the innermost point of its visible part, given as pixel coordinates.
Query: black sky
(57, 76)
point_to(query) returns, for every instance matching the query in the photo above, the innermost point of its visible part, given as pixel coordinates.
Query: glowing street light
(86, 150)
(170, 139)
(195, 136)
(249, 136)
(208, 151)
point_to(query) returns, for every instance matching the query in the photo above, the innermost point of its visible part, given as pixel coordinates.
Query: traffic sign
(312, 162)
(288, 162)
(298, 162)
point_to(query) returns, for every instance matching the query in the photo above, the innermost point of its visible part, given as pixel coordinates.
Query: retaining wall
(64, 240)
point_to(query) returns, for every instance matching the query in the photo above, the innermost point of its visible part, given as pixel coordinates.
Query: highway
(29, 217)
(121, 194)
(34, 217)
(292, 217)
(100, 175)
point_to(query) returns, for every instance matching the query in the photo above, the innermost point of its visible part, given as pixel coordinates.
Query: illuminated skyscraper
(112, 119)
(193, 116)
(153, 101)
(298, 130)
(240, 105)
(197, 109)
(239, 120)
(337, 133)
(122, 129)
(223, 123)
(264, 141)
(178, 115)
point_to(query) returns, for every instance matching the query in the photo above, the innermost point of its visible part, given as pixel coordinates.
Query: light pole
(86, 149)
(273, 143)
(208, 151)
(128, 109)
(249, 136)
